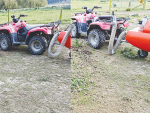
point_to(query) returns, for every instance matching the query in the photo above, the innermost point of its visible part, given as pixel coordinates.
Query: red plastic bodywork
(140, 39)
(106, 26)
(14, 27)
(84, 17)
(68, 42)
(43, 29)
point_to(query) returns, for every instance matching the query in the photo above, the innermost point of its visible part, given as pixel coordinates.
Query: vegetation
(130, 53)
(13, 4)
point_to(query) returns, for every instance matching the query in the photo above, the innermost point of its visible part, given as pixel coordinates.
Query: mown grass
(77, 5)
(39, 16)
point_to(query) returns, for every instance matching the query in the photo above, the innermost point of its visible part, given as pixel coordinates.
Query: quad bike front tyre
(5, 42)
(74, 30)
(96, 38)
(37, 45)
(142, 53)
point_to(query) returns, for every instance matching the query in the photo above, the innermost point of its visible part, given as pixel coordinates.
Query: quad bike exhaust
(64, 38)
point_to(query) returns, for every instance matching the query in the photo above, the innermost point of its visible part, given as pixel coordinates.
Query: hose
(121, 36)
(55, 37)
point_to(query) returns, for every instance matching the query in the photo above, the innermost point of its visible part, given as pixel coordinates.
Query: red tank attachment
(138, 38)
(68, 42)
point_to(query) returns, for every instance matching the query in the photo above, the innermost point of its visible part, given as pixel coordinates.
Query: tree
(40, 3)
(8, 4)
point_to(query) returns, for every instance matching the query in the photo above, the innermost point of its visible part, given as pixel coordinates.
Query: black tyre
(74, 30)
(96, 38)
(5, 42)
(142, 53)
(37, 45)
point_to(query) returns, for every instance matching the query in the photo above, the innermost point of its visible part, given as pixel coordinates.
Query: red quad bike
(18, 32)
(97, 28)
(140, 37)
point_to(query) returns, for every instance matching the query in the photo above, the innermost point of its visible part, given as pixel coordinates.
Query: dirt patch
(115, 83)
(31, 83)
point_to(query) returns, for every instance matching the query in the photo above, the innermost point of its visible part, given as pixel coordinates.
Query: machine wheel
(5, 42)
(74, 30)
(96, 38)
(37, 45)
(142, 53)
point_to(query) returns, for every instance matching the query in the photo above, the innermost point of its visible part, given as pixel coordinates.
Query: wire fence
(50, 2)
(127, 4)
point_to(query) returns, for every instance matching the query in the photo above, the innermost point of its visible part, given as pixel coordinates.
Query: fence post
(8, 15)
(144, 4)
(110, 5)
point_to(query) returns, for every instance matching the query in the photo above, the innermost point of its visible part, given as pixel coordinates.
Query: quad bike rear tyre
(37, 45)
(5, 42)
(74, 31)
(96, 38)
(142, 53)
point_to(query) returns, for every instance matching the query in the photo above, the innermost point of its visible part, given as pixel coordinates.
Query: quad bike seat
(29, 27)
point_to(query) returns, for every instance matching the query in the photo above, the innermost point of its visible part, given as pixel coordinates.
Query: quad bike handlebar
(89, 10)
(15, 20)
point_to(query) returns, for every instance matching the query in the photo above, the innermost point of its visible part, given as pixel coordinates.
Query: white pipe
(54, 39)
(121, 36)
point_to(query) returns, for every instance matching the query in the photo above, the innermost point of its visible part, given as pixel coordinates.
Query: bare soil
(34, 84)
(117, 84)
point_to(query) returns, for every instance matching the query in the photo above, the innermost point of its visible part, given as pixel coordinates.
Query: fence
(59, 2)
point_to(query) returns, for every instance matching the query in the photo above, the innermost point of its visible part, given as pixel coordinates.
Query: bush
(8, 4)
(13, 4)
(127, 52)
(128, 9)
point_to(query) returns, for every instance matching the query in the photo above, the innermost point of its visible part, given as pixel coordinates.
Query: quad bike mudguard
(42, 29)
(81, 23)
(102, 25)
(139, 39)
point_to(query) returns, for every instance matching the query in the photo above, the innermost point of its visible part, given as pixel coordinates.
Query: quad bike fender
(41, 29)
(79, 19)
(9, 29)
(101, 25)
(126, 24)
(139, 39)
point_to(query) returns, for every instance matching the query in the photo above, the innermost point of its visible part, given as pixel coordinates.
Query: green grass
(39, 16)
(77, 5)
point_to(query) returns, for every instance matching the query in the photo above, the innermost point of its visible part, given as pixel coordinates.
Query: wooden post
(8, 15)
(144, 4)
(110, 5)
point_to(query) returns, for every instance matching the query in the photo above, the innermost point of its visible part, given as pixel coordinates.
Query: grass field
(103, 83)
(35, 84)
(39, 16)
